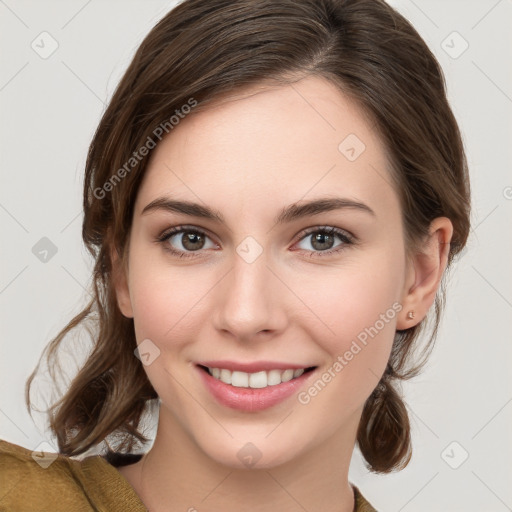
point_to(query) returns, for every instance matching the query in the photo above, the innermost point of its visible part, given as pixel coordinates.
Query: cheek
(358, 306)
(169, 309)
(166, 301)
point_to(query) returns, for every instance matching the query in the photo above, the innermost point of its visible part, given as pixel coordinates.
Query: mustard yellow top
(38, 481)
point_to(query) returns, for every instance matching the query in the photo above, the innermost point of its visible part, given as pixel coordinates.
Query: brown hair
(203, 49)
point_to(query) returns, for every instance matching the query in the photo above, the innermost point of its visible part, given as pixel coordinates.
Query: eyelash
(345, 237)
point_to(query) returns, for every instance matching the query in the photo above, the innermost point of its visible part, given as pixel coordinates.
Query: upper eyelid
(335, 230)
(183, 229)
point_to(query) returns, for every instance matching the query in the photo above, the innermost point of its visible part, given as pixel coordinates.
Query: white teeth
(225, 376)
(287, 375)
(239, 379)
(256, 380)
(273, 377)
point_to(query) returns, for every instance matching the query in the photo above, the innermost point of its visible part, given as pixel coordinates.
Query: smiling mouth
(257, 380)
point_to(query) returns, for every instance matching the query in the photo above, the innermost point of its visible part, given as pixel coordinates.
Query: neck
(177, 472)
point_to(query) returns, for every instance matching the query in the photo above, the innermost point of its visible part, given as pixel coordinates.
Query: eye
(183, 241)
(321, 241)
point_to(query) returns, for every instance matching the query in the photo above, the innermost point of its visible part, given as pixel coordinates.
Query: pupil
(323, 239)
(192, 238)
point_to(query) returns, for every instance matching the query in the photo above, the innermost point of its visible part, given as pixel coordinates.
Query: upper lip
(253, 367)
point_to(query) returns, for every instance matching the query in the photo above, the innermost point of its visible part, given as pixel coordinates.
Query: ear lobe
(424, 274)
(120, 284)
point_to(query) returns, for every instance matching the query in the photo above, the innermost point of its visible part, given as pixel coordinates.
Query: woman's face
(264, 289)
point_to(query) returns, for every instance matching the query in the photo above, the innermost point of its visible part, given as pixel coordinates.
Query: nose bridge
(248, 301)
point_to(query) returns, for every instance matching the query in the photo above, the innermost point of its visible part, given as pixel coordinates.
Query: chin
(250, 456)
(252, 452)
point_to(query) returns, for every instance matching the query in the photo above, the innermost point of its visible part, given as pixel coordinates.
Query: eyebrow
(287, 214)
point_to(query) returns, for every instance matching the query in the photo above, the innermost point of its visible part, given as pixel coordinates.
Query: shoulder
(361, 504)
(34, 480)
(43, 481)
(18, 462)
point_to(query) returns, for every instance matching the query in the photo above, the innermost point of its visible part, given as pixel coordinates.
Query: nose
(250, 301)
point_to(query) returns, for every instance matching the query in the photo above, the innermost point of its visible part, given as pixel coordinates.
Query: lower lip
(252, 399)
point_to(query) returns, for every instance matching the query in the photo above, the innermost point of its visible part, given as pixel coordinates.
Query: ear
(120, 284)
(424, 271)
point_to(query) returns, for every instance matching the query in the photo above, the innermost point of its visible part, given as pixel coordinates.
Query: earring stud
(410, 315)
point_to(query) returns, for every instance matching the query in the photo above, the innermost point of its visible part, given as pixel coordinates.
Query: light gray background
(49, 110)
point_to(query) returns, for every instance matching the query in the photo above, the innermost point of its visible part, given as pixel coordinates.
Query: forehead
(272, 143)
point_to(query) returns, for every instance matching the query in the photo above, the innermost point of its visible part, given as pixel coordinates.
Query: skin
(248, 157)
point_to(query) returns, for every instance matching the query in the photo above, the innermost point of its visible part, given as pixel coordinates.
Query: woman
(272, 198)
